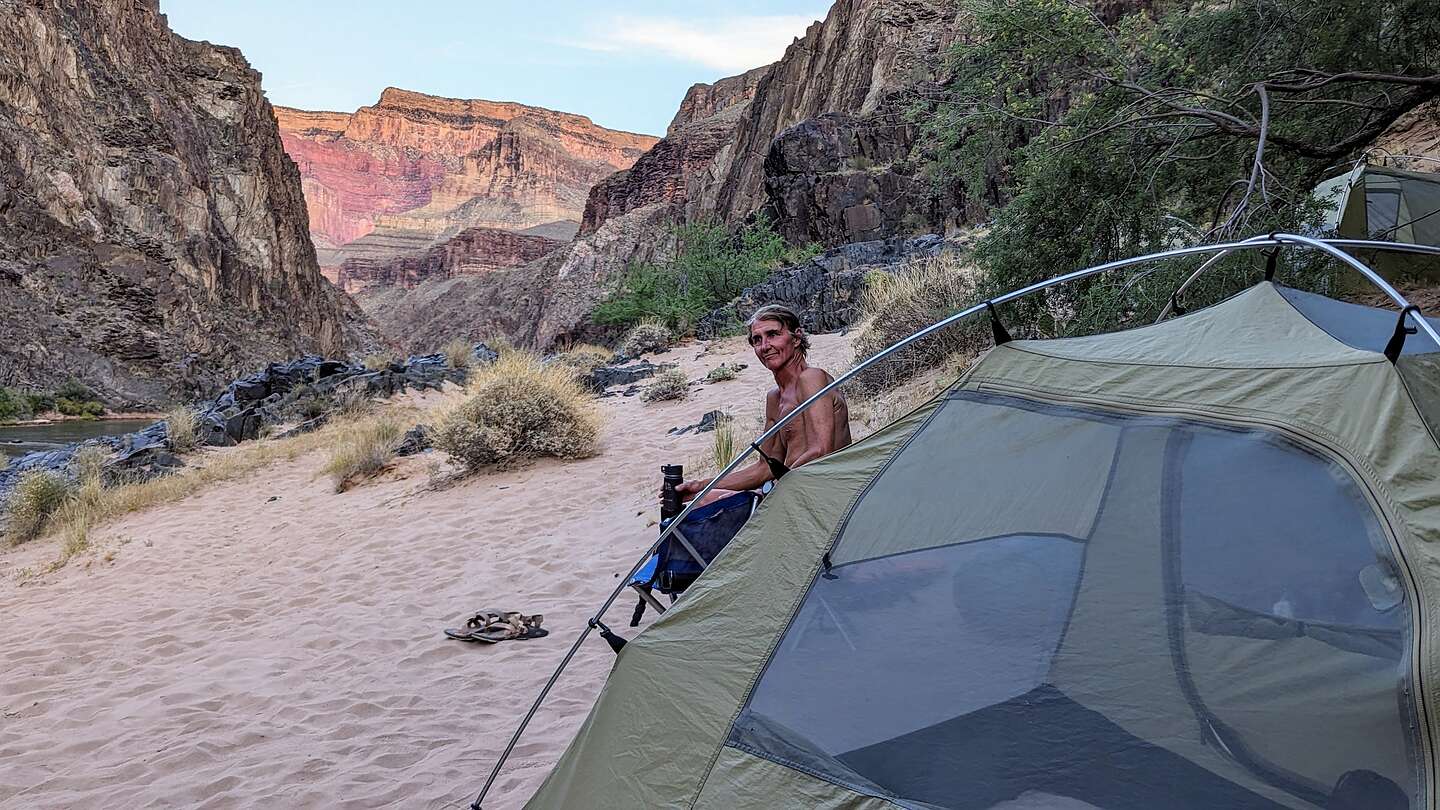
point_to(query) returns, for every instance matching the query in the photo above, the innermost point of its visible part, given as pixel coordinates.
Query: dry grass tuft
(37, 496)
(647, 337)
(667, 385)
(897, 306)
(583, 358)
(181, 430)
(363, 451)
(459, 353)
(381, 361)
(516, 409)
(724, 447)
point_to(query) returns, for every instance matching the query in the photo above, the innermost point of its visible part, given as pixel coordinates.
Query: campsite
(849, 404)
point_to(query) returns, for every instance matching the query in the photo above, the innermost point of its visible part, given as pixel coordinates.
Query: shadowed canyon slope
(412, 171)
(152, 231)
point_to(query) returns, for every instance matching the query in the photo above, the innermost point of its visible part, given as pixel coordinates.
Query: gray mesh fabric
(1044, 607)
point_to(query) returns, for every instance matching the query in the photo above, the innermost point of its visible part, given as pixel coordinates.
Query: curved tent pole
(595, 620)
(1363, 244)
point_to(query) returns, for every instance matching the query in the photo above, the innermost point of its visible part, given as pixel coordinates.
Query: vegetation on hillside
(1092, 140)
(711, 266)
(71, 399)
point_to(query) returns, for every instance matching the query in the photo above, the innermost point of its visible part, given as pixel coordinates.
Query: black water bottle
(670, 504)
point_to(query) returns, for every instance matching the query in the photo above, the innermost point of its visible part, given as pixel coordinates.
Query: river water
(17, 440)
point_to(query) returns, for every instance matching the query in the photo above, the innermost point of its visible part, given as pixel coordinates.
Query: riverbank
(268, 642)
(53, 418)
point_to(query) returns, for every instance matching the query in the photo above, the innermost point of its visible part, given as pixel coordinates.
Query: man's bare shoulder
(814, 378)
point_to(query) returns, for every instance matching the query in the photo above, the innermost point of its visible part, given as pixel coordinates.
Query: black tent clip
(825, 561)
(616, 642)
(1397, 340)
(1270, 256)
(1175, 304)
(997, 329)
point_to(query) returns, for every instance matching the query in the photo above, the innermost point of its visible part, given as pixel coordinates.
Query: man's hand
(687, 489)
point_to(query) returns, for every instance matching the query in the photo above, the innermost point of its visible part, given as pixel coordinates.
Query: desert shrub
(723, 372)
(73, 389)
(583, 359)
(40, 401)
(14, 406)
(459, 353)
(895, 307)
(711, 266)
(363, 451)
(667, 385)
(351, 400)
(381, 360)
(36, 497)
(646, 337)
(182, 430)
(88, 464)
(519, 408)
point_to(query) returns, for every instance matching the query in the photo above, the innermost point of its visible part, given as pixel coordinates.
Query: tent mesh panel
(1049, 607)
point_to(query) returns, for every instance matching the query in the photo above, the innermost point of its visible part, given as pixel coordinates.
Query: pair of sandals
(491, 626)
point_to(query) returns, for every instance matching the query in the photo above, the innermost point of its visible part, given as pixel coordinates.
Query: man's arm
(819, 418)
(758, 472)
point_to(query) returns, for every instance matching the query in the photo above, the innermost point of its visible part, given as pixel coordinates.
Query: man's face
(774, 344)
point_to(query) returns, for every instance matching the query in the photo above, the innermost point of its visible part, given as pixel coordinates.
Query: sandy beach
(269, 643)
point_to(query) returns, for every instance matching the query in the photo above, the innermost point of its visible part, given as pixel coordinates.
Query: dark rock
(243, 426)
(610, 376)
(826, 289)
(416, 440)
(249, 390)
(706, 424)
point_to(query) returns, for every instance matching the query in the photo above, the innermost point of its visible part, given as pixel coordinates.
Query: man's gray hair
(786, 317)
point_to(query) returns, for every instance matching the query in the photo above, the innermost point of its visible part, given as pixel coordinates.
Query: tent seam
(1249, 367)
(814, 572)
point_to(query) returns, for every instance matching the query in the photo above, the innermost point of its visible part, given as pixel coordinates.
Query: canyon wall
(473, 250)
(152, 230)
(413, 170)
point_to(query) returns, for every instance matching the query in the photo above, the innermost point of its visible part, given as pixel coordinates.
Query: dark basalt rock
(707, 423)
(826, 289)
(416, 440)
(610, 376)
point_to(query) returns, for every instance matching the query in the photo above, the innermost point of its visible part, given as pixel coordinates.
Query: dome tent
(1190, 565)
(1380, 202)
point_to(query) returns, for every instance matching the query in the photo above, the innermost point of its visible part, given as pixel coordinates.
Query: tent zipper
(1324, 447)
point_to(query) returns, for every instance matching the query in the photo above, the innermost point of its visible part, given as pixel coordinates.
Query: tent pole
(1367, 244)
(1253, 242)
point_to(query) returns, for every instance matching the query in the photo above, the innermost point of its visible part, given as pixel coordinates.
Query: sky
(624, 64)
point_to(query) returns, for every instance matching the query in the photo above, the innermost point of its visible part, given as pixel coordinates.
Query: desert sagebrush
(181, 430)
(519, 408)
(459, 353)
(668, 384)
(36, 497)
(895, 307)
(645, 338)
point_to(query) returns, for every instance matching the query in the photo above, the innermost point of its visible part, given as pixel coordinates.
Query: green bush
(40, 402)
(724, 373)
(711, 266)
(14, 406)
(85, 409)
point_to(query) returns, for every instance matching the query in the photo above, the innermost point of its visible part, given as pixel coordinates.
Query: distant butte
(395, 179)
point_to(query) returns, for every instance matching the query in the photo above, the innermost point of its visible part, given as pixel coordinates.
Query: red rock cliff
(412, 170)
(152, 231)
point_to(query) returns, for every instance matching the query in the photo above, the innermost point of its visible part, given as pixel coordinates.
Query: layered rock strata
(413, 170)
(474, 250)
(152, 230)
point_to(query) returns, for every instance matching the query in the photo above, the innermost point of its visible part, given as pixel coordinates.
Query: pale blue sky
(624, 64)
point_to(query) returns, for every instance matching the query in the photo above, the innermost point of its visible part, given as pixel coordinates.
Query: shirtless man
(780, 343)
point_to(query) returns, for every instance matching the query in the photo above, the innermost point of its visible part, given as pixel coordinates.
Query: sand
(269, 643)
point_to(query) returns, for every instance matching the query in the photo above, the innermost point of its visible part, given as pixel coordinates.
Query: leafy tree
(1092, 139)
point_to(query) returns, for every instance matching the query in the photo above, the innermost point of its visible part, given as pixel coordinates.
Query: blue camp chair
(684, 555)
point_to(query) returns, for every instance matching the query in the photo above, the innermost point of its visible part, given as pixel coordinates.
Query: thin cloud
(730, 43)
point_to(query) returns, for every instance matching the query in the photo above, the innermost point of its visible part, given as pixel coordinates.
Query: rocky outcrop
(542, 304)
(413, 170)
(152, 230)
(826, 289)
(475, 250)
(683, 163)
(834, 179)
(1413, 142)
(862, 60)
(703, 101)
